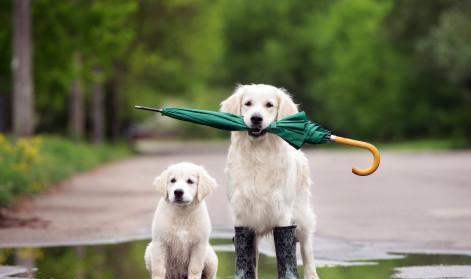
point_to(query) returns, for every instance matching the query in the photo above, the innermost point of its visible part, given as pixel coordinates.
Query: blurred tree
(98, 106)
(53, 57)
(113, 32)
(88, 34)
(115, 84)
(393, 68)
(361, 79)
(177, 54)
(77, 105)
(448, 47)
(5, 65)
(409, 20)
(449, 44)
(331, 55)
(434, 37)
(267, 42)
(23, 99)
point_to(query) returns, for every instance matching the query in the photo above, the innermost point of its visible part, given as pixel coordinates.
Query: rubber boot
(245, 250)
(285, 247)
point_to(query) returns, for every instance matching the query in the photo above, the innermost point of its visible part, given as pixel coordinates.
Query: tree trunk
(23, 99)
(98, 109)
(115, 99)
(76, 113)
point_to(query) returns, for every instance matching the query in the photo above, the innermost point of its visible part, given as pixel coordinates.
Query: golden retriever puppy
(181, 225)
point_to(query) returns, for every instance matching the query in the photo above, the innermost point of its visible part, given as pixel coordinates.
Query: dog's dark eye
(173, 180)
(269, 105)
(189, 181)
(248, 103)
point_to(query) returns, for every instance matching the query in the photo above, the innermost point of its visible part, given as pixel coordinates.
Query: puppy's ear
(160, 183)
(232, 104)
(286, 106)
(206, 184)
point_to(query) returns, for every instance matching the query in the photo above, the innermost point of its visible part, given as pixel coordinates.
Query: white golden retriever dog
(181, 225)
(269, 180)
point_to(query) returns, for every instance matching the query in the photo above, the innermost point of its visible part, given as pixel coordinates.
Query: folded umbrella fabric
(295, 129)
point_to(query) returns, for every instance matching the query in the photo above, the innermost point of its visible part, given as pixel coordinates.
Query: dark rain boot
(245, 250)
(285, 247)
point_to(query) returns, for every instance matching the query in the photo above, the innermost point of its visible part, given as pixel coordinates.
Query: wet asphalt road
(419, 199)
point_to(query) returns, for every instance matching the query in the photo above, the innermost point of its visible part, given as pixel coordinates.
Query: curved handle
(374, 151)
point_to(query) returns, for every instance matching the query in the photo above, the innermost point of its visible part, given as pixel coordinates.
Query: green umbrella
(219, 120)
(295, 129)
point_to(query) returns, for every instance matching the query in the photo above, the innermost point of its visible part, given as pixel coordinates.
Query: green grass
(425, 144)
(28, 166)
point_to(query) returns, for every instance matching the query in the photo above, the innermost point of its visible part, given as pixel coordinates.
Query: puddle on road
(126, 261)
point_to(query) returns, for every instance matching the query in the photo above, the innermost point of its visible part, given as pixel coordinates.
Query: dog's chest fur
(262, 182)
(180, 232)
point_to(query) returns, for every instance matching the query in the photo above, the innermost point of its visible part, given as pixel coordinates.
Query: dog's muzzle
(178, 196)
(256, 128)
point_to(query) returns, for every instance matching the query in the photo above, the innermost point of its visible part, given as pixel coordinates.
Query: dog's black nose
(178, 193)
(256, 119)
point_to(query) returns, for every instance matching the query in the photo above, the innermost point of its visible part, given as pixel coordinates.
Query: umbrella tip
(147, 108)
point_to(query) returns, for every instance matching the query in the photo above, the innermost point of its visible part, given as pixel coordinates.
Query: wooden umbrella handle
(374, 151)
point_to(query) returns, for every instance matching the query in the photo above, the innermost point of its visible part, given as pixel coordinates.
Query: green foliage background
(31, 165)
(372, 69)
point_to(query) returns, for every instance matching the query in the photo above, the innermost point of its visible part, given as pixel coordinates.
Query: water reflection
(126, 261)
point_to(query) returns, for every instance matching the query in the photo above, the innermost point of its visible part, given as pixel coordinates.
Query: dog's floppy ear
(286, 106)
(232, 104)
(160, 183)
(206, 184)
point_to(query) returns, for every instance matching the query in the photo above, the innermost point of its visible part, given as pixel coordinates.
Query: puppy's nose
(256, 119)
(178, 193)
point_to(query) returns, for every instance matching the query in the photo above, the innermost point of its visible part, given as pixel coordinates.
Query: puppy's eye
(189, 181)
(173, 180)
(269, 105)
(248, 103)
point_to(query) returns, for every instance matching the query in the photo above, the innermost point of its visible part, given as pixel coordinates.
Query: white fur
(180, 230)
(269, 181)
